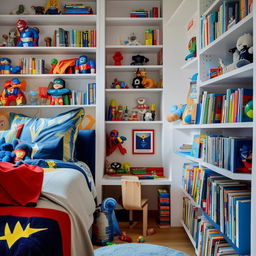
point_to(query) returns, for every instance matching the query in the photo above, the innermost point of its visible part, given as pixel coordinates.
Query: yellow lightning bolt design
(18, 232)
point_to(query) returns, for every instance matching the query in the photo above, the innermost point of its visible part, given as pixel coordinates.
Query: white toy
(132, 40)
(242, 54)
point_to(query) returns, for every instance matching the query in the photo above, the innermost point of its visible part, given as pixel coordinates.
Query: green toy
(248, 110)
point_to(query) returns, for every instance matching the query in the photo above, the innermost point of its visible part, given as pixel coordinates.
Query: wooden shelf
(46, 20)
(131, 90)
(46, 50)
(134, 122)
(45, 76)
(239, 75)
(133, 68)
(153, 182)
(224, 172)
(134, 48)
(243, 125)
(127, 21)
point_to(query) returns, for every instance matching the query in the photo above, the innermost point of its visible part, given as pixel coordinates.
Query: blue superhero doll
(6, 67)
(59, 94)
(28, 36)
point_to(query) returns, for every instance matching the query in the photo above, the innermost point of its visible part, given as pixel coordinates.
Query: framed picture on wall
(143, 142)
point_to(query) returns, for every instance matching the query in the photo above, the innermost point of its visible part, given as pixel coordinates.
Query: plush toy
(12, 92)
(115, 141)
(22, 151)
(118, 57)
(59, 94)
(6, 67)
(28, 36)
(6, 154)
(176, 112)
(191, 48)
(139, 60)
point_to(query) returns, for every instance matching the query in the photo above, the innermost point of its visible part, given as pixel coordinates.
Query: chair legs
(130, 217)
(145, 219)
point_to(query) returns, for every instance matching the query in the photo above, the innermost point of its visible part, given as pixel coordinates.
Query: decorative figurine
(52, 7)
(115, 141)
(132, 40)
(142, 107)
(118, 84)
(147, 82)
(39, 10)
(137, 81)
(21, 10)
(59, 94)
(28, 36)
(12, 93)
(150, 116)
(48, 41)
(6, 67)
(139, 60)
(118, 57)
(191, 48)
(115, 166)
(126, 114)
(82, 65)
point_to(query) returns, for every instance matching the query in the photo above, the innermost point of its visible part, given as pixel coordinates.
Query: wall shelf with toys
(134, 48)
(120, 21)
(47, 76)
(48, 106)
(154, 90)
(133, 68)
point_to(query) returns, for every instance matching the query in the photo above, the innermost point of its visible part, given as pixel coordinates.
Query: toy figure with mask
(6, 67)
(28, 36)
(82, 65)
(59, 94)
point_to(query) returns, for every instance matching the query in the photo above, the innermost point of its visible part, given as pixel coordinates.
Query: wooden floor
(174, 237)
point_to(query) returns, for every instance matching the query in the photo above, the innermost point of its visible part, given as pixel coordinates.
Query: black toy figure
(137, 81)
(139, 60)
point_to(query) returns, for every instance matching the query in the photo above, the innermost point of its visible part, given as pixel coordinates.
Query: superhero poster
(143, 142)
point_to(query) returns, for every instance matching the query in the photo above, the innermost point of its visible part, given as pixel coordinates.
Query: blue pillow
(43, 132)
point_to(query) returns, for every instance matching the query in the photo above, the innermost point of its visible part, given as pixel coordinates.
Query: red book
(155, 12)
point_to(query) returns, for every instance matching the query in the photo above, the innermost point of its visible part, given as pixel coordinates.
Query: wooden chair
(131, 196)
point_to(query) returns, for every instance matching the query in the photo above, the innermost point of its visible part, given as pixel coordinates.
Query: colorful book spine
(164, 208)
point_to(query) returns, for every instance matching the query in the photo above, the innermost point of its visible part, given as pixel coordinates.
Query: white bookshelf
(123, 21)
(134, 48)
(133, 68)
(207, 57)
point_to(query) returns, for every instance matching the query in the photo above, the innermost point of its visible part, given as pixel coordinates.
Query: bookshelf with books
(229, 123)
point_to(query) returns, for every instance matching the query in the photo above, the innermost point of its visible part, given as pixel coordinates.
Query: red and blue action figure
(28, 36)
(84, 66)
(57, 91)
(12, 93)
(6, 67)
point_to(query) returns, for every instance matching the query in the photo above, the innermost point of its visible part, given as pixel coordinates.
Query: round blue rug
(136, 249)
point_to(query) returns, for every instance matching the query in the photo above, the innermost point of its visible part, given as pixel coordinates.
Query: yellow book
(89, 38)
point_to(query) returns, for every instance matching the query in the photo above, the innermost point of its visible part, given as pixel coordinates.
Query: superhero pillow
(11, 134)
(44, 132)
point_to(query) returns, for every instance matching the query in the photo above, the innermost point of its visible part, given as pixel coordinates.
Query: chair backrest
(131, 193)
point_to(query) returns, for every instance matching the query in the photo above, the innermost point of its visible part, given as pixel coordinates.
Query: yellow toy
(140, 239)
(126, 166)
(147, 82)
(52, 7)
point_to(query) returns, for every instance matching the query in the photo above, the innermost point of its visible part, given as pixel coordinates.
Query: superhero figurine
(28, 36)
(6, 67)
(114, 142)
(118, 57)
(12, 92)
(82, 65)
(59, 94)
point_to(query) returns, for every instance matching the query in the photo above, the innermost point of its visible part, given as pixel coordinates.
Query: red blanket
(20, 185)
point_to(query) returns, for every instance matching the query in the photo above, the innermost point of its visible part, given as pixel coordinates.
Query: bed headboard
(85, 148)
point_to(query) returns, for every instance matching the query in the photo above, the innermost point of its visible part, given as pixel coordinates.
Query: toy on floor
(191, 48)
(6, 68)
(21, 10)
(115, 141)
(119, 84)
(6, 154)
(52, 7)
(248, 110)
(59, 94)
(12, 93)
(140, 239)
(124, 237)
(132, 40)
(151, 231)
(139, 60)
(39, 10)
(28, 36)
(118, 57)
(22, 151)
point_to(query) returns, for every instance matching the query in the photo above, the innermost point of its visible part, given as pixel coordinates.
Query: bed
(59, 224)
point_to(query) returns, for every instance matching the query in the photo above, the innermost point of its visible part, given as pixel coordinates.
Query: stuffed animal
(22, 151)
(176, 112)
(6, 154)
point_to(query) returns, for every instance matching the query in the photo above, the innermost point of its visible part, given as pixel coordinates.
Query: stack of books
(185, 148)
(76, 9)
(164, 208)
(87, 97)
(152, 37)
(32, 66)
(225, 108)
(74, 38)
(143, 13)
(217, 23)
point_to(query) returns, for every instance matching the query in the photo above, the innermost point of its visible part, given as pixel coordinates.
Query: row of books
(225, 108)
(74, 38)
(32, 66)
(87, 97)
(227, 202)
(152, 37)
(208, 240)
(231, 153)
(77, 8)
(144, 13)
(164, 208)
(217, 23)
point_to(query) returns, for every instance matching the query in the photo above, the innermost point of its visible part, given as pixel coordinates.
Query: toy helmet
(59, 81)
(15, 82)
(83, 59)
(21, 25)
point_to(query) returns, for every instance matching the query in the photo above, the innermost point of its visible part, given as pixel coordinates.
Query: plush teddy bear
(6, 154)
(244, 46)
(22, 151)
